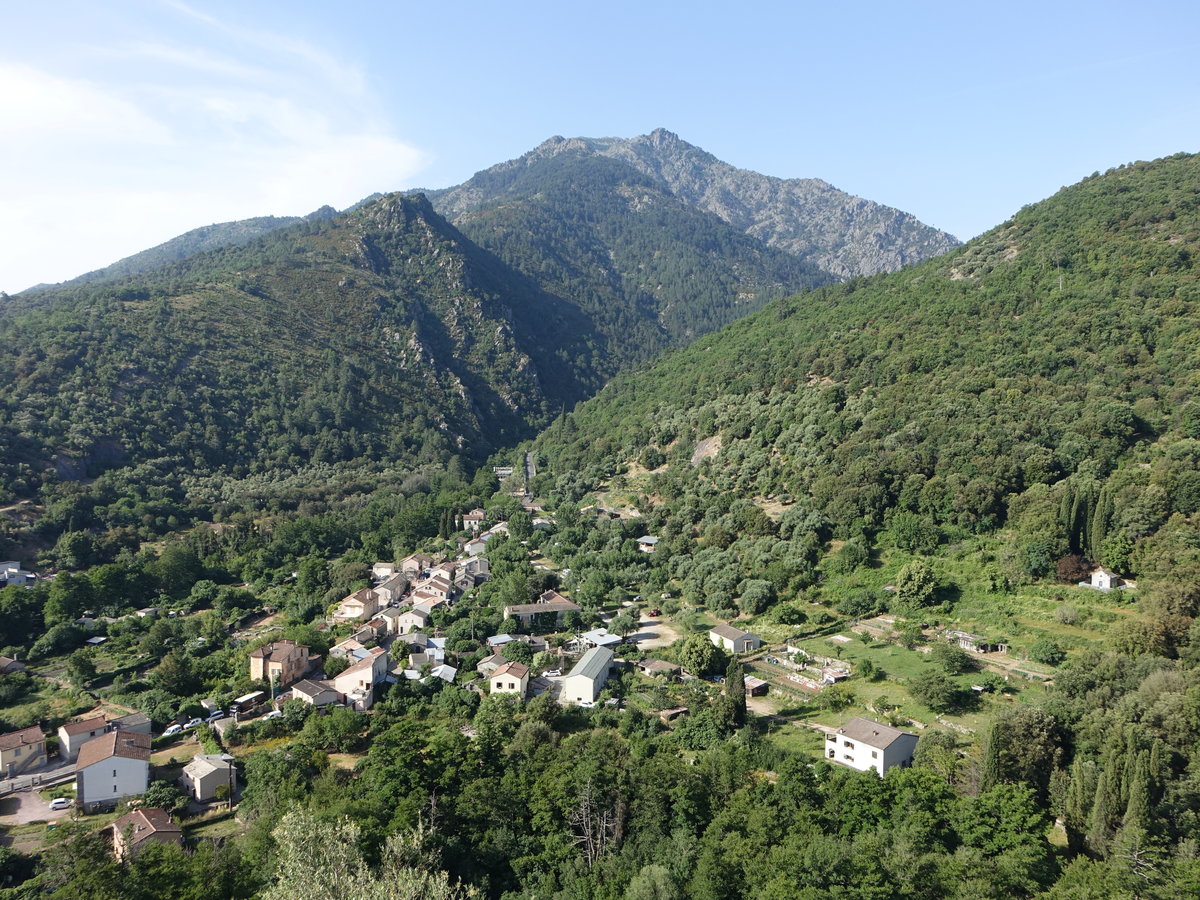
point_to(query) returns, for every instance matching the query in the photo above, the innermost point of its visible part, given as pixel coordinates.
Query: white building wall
(579, 688)
(865, 758)
(112, 779)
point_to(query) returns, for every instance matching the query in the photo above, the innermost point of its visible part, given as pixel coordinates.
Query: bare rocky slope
(842, 234)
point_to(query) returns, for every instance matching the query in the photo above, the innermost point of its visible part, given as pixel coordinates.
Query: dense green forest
(1040, 377)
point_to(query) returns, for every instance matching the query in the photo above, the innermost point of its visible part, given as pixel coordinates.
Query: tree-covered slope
(648, 269)
(1043, 374)
(198, 240)
(838, 233)
(382, 333)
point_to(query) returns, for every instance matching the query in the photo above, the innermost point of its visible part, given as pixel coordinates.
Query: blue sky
(123, 124)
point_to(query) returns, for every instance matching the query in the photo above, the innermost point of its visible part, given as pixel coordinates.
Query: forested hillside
(381, 334)
(648, 269)
(1053, 353)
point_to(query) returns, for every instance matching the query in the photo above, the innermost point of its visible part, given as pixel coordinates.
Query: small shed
(755, 687)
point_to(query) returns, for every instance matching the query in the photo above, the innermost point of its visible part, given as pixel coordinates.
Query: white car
(172, 730)
(62, 803)
(552, 673)
(274, 714)
(214, 715)
(193, 723)
(586, 704)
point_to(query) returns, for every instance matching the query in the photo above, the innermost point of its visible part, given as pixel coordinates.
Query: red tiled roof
(123, 744)
(22, 738)
(141, 824)
(515, 669)
(94, 724)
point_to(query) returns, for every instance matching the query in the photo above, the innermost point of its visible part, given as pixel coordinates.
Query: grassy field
(215, 824)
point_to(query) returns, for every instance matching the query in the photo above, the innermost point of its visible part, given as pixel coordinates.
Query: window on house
(874, 755)
(849, 746)
(114, 773)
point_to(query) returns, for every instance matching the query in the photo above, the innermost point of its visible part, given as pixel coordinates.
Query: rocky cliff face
(809, 218)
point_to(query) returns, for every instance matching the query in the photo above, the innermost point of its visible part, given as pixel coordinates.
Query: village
(387, 633)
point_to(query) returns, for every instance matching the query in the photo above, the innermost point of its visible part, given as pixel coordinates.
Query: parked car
(274, 714)
(172, 730)
(193, 723)
(586, 704)
(62, 803)
(552, 673)
(214, 715)
(654, 613)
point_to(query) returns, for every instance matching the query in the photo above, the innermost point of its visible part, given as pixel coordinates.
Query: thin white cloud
(347, 77)
(39, 106)
(95, 168)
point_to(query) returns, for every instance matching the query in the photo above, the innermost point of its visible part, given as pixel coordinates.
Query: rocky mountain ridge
(844, 235)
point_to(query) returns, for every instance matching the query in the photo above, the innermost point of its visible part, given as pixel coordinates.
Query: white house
(412, 619)
(207, 772)
(1105, 579)
(392, 589)
(414, 565)
(74, 735)
(585, 681)
(600, 637)
(111, 767)
(733, 639)
(390, 617)
(382, 571)
(510, 678)
(865, 745)
(357, 683)
(12, 575)
(314, 693)
(362, 605)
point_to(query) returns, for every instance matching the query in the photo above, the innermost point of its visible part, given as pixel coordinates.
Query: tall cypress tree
(1137, 810)
(1105, 810)
(735, 687)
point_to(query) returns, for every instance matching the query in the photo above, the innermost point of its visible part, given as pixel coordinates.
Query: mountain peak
(842, 234)
(660, 137)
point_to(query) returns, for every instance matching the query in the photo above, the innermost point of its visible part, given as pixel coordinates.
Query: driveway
(24, 807)
(653, 633)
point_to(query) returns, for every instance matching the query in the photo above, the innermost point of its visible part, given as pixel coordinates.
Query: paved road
(530, 468)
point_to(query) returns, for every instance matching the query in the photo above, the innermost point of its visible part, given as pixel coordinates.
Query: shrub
(1047, 652)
